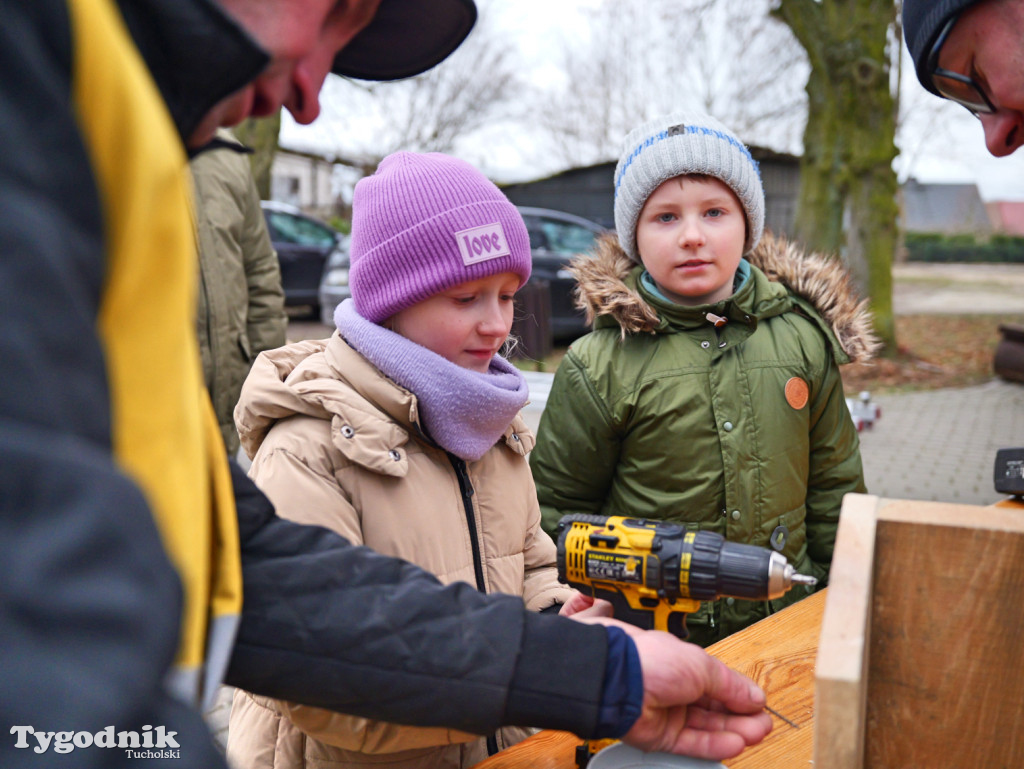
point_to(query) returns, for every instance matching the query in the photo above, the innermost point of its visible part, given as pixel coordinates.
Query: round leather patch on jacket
(797, 393)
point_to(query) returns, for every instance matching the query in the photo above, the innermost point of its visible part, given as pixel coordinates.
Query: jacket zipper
(466, 489)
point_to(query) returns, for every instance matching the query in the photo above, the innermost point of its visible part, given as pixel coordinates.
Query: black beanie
(923, 20)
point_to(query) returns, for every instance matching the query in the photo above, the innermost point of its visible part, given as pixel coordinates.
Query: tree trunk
(261, 135)
(848, 189)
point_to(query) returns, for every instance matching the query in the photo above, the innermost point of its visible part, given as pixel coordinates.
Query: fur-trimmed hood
(605, 288)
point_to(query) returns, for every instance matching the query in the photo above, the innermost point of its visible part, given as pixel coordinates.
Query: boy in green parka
(709, 391)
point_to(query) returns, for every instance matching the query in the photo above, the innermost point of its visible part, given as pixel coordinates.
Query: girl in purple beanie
(402, 432)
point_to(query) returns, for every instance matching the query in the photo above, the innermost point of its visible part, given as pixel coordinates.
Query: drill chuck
(722, 568)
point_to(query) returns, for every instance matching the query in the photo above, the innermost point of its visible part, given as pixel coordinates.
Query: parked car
(556, 237)
(303, 245)
(334, 282)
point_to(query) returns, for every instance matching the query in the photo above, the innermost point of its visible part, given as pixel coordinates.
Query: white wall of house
(302, 181)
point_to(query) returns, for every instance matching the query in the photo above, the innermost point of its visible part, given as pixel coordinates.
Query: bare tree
(477, 85)
(642, 58)
(610, 81)
(260, 134)
(746, 69)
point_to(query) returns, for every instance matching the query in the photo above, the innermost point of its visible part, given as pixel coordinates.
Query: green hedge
(923, 247)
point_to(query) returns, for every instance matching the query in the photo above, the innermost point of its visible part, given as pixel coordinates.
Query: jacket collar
(783, 278)
(196, 53)
(369, 383)
(395, 401)
(755, 298)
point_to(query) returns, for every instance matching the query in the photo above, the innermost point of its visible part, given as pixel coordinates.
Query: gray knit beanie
(923, 20)
(678, 144)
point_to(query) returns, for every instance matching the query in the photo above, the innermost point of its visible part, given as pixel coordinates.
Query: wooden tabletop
(778, 653)
(1015, 503)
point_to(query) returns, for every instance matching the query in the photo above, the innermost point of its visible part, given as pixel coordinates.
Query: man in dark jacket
(125, 537)
(970, 51)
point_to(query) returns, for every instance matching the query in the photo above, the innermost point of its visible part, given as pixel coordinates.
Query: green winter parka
(241, 302)
(740, 428)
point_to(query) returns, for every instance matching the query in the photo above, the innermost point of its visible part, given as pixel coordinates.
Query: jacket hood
(606, 286)
(285, 382)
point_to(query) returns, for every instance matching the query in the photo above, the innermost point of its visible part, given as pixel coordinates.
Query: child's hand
(583, 607)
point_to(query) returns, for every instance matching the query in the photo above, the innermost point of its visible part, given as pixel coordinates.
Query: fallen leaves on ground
(935, 351)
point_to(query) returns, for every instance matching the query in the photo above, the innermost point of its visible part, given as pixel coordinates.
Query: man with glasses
(972, 52)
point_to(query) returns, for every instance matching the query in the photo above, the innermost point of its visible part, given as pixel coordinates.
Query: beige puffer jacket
(337, 444)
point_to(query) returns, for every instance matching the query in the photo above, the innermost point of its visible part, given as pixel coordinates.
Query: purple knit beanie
(424, 223)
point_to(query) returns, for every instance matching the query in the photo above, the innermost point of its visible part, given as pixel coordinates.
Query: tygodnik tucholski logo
(151, 742)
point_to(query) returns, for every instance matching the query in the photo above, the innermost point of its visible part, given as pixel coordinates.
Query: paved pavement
(941, 445)
(943, 289)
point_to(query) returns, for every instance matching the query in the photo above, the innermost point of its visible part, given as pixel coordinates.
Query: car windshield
(565, 238)
(295, 229)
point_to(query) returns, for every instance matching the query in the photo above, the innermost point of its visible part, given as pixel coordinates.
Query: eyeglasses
(956, 87)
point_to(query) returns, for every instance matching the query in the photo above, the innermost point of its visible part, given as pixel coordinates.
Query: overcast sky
(941, 143)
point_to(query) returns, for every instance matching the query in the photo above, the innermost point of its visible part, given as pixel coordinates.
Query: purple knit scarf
(464, 411)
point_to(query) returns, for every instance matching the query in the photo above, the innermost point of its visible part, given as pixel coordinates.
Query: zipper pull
(717, 320)
(462, 473)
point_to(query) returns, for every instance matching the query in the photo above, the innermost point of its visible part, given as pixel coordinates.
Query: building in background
(1007, 216)
(947, 209)
(589, 191)
(304, 180)
(322, 188)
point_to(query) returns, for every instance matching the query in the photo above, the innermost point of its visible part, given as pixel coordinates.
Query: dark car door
(554, 240)
(303, 245)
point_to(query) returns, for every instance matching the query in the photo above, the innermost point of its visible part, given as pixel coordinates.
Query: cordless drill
(654, 573)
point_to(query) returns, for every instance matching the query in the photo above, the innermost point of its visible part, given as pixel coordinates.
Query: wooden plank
(779, 654)
(840, 674)
(930, 585)
(946, 665)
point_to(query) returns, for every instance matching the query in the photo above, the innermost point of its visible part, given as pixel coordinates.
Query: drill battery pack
(1009, 471)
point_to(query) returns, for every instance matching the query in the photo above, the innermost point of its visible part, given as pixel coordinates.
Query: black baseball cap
(405, 38)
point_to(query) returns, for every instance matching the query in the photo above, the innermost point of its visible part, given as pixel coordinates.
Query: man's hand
(694, 705)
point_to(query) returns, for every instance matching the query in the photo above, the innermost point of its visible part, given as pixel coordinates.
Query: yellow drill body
(611, 560)
(654, 573)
